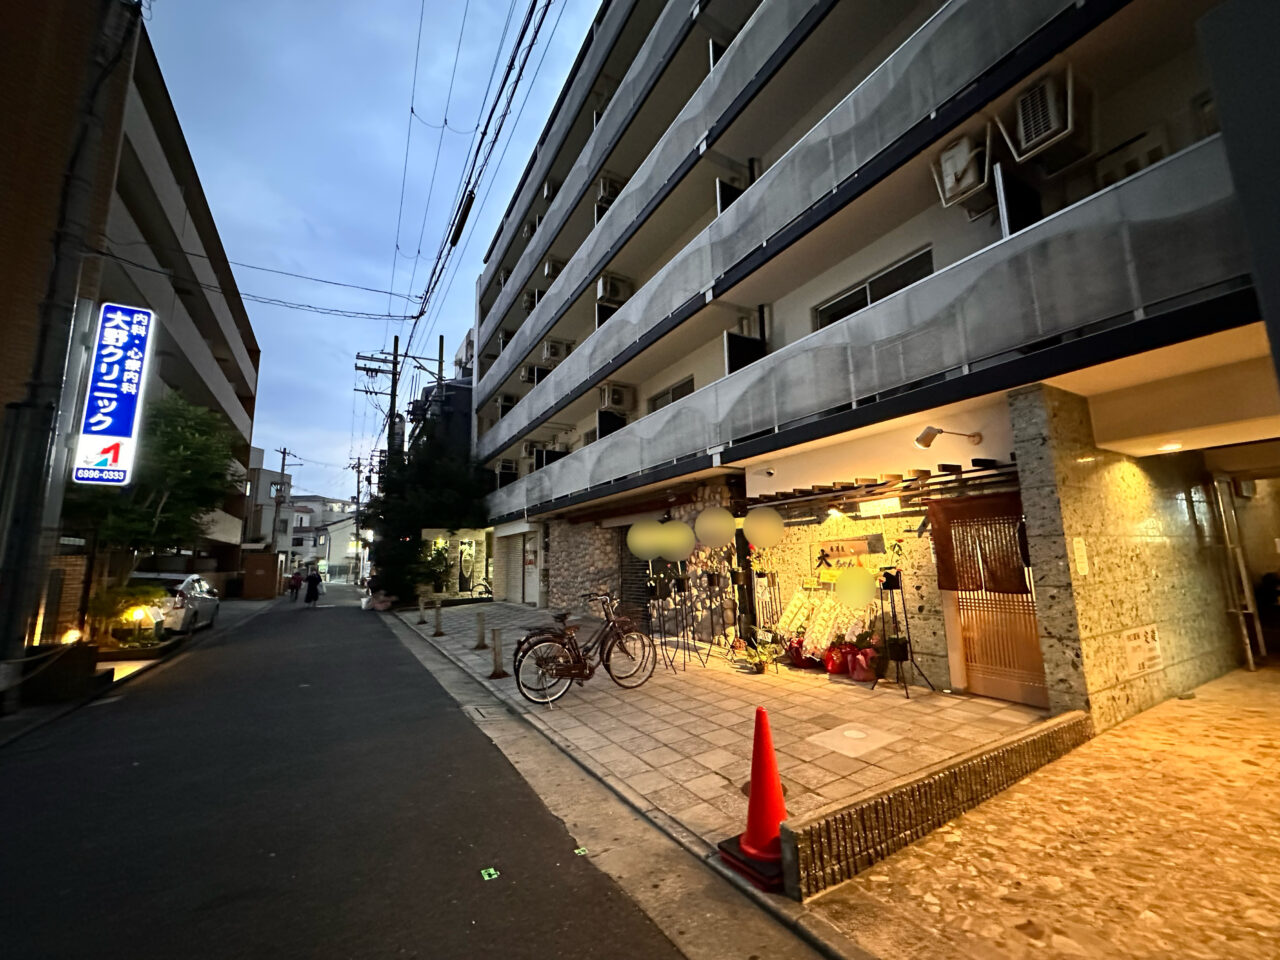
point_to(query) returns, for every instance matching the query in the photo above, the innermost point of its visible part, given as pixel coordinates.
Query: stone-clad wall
(582, 558)
(793, 559)
(1153, 547)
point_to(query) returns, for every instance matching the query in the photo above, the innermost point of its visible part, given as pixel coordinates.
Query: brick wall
(582, 558)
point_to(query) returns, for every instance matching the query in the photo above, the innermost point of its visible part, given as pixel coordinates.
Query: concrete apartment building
(760, 247)
(150, 237)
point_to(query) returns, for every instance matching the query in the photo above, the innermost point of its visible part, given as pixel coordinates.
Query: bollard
(498, 672)
(422, 610)
(439, 624)
(480, 644)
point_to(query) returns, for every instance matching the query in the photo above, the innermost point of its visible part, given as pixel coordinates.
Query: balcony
(958, 45)
(663, 167)
(1165, 237)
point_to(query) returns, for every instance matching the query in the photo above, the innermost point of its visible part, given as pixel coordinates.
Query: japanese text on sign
(109, 428)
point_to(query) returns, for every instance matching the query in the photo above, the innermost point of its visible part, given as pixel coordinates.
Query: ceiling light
(1169, 447)
(930, 434)
(1085, 459)
(833, 512)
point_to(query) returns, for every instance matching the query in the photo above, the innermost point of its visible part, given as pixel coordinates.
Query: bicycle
(482, 587)
(548, 663)
(558, 631)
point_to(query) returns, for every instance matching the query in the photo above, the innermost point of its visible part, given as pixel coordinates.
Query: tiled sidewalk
(1159, 838)
(682, 742)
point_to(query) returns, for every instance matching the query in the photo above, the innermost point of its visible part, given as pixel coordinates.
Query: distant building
(261, 489)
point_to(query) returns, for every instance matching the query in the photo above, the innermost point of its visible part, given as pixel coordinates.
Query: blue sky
(296, 112)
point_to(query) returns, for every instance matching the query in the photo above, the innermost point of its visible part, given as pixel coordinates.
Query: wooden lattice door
(983, 558)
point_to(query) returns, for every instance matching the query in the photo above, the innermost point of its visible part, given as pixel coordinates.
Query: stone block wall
(1118, 544)
(582, 557)
(794, 558)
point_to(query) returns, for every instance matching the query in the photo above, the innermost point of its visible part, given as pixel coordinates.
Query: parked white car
(191, 603)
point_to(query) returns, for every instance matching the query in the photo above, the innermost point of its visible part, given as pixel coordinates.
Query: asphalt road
(299, 787)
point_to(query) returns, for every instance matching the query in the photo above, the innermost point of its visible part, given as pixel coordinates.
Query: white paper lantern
(645, 539)
(678, 541)
(764, 526)
(715, 527)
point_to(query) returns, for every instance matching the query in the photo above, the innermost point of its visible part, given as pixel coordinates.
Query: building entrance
(983, 563)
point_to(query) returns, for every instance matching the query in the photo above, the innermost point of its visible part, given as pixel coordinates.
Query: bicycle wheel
(527, 641)
(630, 659)
(537, 672)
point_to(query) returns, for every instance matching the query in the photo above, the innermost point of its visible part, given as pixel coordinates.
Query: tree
(183, 472)
(434, 487)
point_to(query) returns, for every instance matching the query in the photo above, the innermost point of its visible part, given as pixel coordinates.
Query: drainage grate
(481, 714)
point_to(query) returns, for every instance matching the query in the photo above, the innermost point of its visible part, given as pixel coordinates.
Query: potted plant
(865, 656)
(836, 659)
(434, 567)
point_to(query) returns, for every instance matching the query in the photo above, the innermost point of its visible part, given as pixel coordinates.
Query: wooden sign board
(845, 553)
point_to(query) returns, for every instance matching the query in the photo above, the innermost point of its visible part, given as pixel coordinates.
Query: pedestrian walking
(313, 588)
(295, 584)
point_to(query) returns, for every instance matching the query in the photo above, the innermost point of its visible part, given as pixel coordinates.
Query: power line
(408, 138)
(431, 188)
(252, 297)
(477, 168)
(439, 306)
(254, 266)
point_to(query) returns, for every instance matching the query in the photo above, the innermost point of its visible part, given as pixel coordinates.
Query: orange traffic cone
(757, 851)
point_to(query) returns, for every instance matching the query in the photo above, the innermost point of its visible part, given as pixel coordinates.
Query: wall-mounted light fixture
(930, 434)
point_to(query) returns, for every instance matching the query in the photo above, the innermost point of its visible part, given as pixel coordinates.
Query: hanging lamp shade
(644, 539)
(764, 526)
(678, 541)
(715, 527)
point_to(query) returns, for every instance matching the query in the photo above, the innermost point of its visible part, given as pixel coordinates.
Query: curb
(170, 657)
(815, 930)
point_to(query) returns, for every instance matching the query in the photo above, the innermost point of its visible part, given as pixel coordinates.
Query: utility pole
(359, 540)
(31, 425)
(278, 501)
(395, 438)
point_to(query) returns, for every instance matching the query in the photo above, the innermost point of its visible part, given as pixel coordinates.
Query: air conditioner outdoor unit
(506, 402)
(530, 228)
(609, 188)
(556, 350)
(617, 396)
(549, 190)
(504, 337)
(551, 269)
(530, 300)
(1041, 113)
(1052, 121)
(529, 446)
(611, 288)
(507, 466)
(503, 277)
(962, 173)
(532, 374)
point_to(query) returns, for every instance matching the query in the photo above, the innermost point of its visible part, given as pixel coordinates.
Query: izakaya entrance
(984, 571)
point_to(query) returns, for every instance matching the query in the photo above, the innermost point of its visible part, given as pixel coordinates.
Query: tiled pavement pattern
(1158, 839)
(683, 741)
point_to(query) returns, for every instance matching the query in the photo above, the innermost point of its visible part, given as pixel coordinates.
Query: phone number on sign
(106, 476)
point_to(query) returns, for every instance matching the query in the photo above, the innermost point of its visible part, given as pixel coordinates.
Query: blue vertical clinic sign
(108, 442)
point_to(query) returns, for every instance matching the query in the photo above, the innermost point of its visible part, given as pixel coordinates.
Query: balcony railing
(649, 62)
(956, 46)
(1163, 236)
(733, 73)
